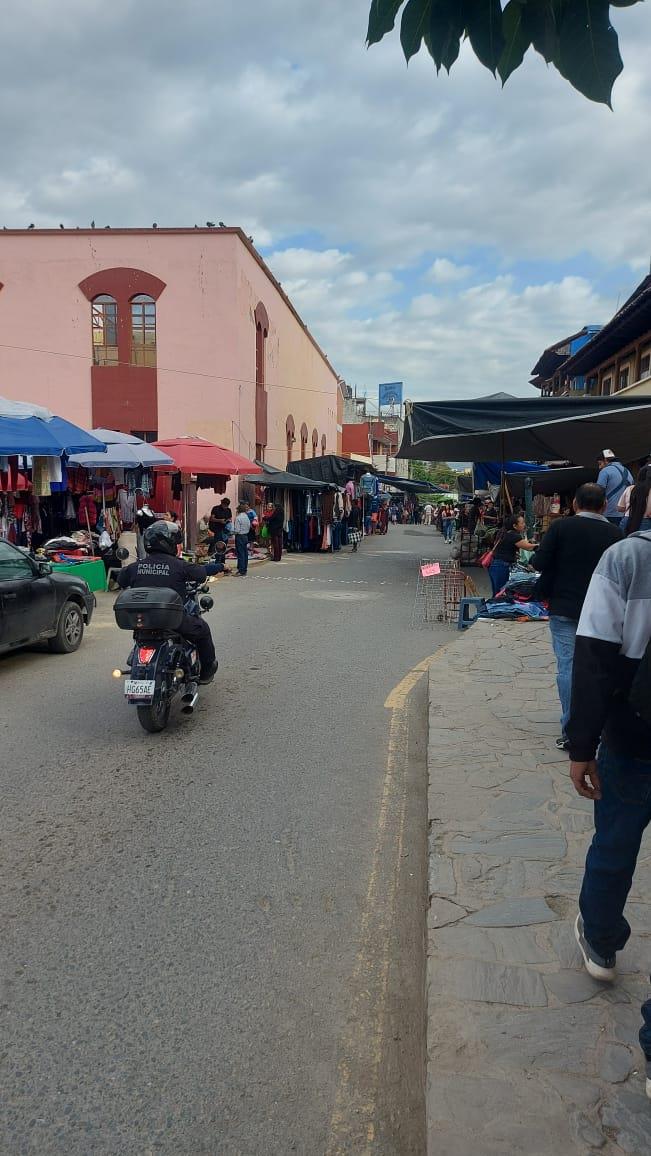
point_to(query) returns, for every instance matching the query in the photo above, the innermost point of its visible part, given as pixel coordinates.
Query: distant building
(618, 359)
(548, 374)
(372, 439)
(161, 333)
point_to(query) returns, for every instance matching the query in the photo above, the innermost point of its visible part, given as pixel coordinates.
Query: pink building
(163, 332)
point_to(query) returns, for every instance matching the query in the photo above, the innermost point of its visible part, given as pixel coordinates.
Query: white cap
(606, 454)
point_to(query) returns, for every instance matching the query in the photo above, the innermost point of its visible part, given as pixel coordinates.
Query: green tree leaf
(414, 25)
(588, 51)
(541, 21)
(382, 19)
(484, 28)
(445, 31)
(517, 39)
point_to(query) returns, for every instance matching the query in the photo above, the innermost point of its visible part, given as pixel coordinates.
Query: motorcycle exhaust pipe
(189, 702)
(190, 693)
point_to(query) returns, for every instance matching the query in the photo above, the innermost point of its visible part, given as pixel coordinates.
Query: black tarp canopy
(411, 485)
(330, 468)
(562, 481)
(284, 481)
(536, 429)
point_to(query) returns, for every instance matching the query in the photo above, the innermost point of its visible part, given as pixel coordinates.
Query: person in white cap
(614, 477)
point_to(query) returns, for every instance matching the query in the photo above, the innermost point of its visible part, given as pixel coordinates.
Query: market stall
(34, 446)
(200, 464)
(305, 503)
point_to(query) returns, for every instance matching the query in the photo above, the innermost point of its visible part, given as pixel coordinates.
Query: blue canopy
(34, 431)
(490, 473)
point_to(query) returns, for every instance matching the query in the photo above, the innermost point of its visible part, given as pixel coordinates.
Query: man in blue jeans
(611, 711)
(566, 558)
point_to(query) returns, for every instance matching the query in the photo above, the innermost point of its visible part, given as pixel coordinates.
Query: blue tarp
(490, 473)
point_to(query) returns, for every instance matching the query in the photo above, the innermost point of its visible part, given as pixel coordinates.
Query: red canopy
(197, 456)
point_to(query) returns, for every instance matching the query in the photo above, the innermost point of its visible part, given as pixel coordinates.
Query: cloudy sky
(435, 230)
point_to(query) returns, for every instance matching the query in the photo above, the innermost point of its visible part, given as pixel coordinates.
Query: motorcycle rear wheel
(155, 717)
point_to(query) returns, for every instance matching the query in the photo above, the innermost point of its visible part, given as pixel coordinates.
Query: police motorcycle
(162, 664)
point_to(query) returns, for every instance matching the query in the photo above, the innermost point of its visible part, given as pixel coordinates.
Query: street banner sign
(390, 393)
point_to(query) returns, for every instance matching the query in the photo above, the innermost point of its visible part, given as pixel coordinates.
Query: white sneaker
(597, 966)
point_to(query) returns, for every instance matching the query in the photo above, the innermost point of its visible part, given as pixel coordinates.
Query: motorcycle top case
(148, 608)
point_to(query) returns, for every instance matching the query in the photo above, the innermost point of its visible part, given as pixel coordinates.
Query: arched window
(315, 442)
(304, 437)
(104, 315)
(143, 330)
(290, 434)
(323, 446)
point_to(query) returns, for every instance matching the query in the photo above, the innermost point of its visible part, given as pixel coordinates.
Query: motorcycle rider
(161, 567)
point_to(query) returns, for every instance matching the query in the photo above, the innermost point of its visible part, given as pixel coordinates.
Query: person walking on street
(427, 510)
(609, 731)
(567, 558)
(355, 525)
(614, 477)
(275, 519)
(242, 529)
(509, 540)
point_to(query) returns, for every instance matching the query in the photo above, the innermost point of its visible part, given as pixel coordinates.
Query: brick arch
(290, 436)
(262, 318)
(122, 283)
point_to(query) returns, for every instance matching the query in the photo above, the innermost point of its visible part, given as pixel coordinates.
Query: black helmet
(162, 538)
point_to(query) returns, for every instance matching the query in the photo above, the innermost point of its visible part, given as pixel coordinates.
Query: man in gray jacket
(609, 733)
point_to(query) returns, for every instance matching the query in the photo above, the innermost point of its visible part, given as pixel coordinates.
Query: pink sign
(430, 570)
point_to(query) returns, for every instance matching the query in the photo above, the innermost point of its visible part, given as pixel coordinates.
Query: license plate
(139, 688)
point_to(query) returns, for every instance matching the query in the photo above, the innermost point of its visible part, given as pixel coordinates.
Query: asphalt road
(212, 940)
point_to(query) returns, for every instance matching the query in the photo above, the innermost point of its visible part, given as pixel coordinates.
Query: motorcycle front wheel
(155, 717)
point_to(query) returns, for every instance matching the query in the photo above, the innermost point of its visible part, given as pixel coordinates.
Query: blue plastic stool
(465, 618)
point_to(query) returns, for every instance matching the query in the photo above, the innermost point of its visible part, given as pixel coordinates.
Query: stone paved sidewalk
(526, 1053)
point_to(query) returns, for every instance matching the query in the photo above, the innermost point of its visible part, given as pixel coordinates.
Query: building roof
(232, 230)
(631, 321)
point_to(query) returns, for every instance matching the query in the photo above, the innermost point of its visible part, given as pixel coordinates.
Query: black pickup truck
(37, 603)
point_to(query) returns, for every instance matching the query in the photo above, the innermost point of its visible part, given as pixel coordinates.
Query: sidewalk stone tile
(442, 911)
(538, 845)
(616, 1066)
(513, 913)
(441, 876)
(573, 986)
(483, 1116)
(508, 945)
(474, 979)
(627, 1113)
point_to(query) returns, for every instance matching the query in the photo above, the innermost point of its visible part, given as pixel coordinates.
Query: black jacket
(567, 559)
(161, 570)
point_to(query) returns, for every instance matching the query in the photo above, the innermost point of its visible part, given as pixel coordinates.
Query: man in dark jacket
(567, 557)
(611, 706)
(161, 568)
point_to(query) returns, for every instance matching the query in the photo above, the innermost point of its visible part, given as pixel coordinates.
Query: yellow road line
(353, 1124)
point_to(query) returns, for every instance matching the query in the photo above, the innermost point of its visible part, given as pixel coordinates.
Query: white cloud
(445, 272)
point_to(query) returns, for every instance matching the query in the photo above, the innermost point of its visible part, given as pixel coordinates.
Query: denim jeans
(242, 551)
(498, 572)
(620, 818)
(563, 632)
